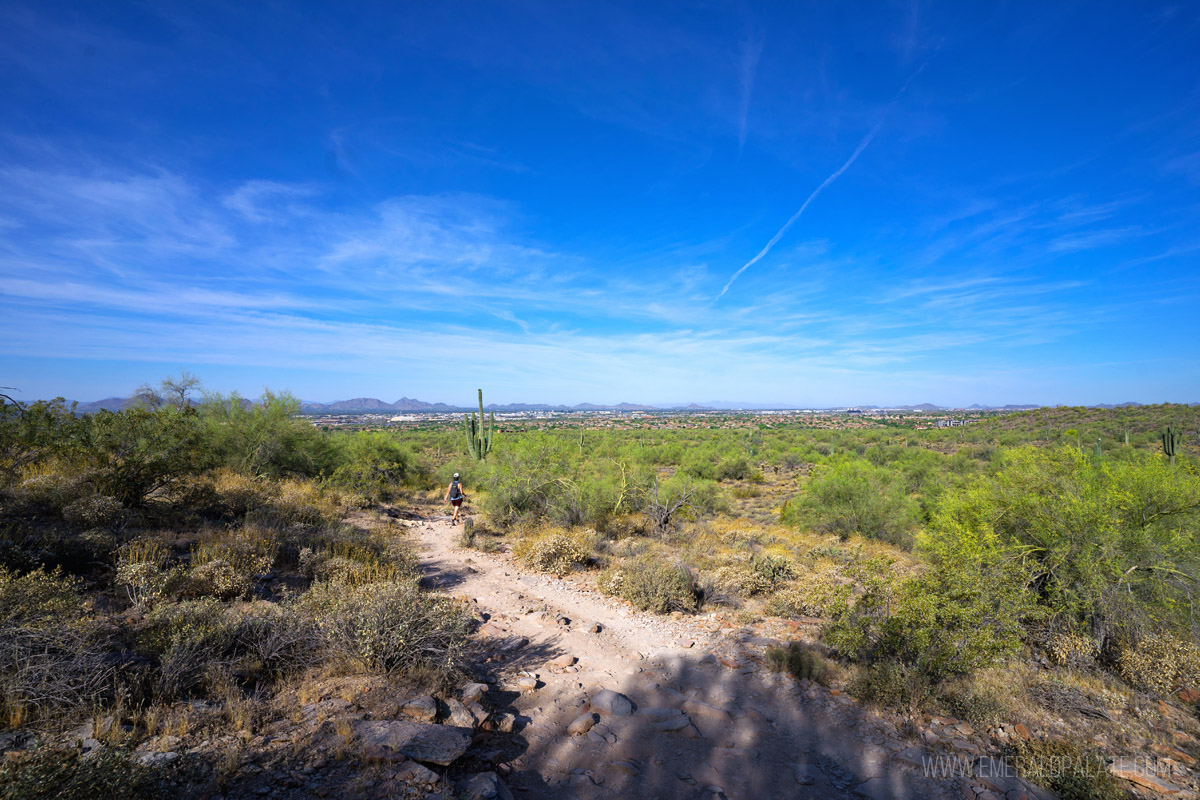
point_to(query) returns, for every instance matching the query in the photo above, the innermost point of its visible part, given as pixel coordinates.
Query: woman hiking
(454, 494)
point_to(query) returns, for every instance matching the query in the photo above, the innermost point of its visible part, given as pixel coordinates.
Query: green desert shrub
(192, 640)
(266, 436)
(556, 551)
(799, 661)
(391, 627)
(1072, 770)
(654, 584)
(33, 434)
(1161, 663)
(52, 652)
(132, 454)
(67, 774)
(525, 477)
(734, 469)
(94, 511)
(962, 614)
(890, 683)
(1110, 546)
(377, 467)
(856, 497)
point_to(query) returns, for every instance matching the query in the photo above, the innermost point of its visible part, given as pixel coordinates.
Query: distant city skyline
(812, 204)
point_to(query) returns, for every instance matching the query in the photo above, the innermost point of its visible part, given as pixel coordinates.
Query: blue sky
(555, 201)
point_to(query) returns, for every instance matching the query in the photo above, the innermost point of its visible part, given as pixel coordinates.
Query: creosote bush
(391, 627)
(890, 683)
(1161, 663)
(556, 551)
(1074, 771)
(66, 774)
(856, 497)
(377, 467)
(799, 661)
(1069, 649)
(653, 584)
(52, 652)
(94, 511)
(228, 567)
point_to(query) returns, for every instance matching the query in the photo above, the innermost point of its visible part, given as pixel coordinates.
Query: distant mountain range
(371, 405)
(107, 404)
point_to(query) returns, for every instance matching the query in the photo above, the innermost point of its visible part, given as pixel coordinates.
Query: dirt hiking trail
(628, 704)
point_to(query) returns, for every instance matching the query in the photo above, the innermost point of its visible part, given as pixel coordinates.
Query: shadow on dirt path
(663, 707)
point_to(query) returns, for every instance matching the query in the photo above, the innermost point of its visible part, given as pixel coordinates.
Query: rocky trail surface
(604, 701)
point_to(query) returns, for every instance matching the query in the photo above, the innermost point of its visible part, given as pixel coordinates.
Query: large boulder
(420, 741)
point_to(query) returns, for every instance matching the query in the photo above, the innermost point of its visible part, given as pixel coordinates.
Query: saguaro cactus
(479, 445)
(1171, 441)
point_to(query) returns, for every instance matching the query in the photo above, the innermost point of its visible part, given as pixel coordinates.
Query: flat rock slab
(1136, 773)
(695, 708)
(435, 744)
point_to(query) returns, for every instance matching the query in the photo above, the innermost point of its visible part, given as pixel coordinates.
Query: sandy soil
(749, 733)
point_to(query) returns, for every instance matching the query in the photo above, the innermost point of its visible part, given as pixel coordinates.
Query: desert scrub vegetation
(391, 627)
(64, 773)
(1073, 770)
(1161, 663)
(857, 497)
(227, 543)
(211, 553)
(801, 661)
(652, 584)
(556, 550)
(52, 650)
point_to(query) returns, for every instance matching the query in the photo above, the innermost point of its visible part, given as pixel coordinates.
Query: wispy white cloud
(1090, 240)
(269, 201)
(155, 268)
(751, 48)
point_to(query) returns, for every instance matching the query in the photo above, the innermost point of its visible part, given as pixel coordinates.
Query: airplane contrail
(857, 152)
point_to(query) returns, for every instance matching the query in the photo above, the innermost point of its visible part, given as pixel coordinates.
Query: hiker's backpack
(455, 490)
